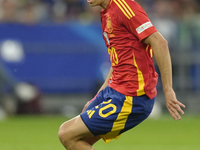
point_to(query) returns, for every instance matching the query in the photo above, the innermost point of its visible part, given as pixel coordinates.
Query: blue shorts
(113, 113)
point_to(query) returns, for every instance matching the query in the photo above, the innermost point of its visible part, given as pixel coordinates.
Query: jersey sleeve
(136, 20)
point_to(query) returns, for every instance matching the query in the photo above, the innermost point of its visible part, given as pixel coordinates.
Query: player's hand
(173, 105)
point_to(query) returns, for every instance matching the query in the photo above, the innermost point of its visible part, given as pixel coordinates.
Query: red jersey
(124, 25)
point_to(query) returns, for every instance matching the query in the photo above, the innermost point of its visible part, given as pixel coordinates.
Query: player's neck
(104, 4)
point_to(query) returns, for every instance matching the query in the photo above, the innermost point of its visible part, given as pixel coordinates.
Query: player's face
(94, 3)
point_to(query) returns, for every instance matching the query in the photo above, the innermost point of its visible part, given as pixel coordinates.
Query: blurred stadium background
(53, 59)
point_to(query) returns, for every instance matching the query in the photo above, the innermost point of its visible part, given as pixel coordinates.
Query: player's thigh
(74, 129)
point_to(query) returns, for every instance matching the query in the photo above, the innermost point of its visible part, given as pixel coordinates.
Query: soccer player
(127, 96)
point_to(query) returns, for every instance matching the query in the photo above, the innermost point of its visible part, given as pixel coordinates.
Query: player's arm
(105, 84)
(163, 59)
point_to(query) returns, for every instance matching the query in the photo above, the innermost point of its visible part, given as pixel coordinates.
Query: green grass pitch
(40, 133)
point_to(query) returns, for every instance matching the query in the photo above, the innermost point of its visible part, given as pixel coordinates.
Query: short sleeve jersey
(125, 24)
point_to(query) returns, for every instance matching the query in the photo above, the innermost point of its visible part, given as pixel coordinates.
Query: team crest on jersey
(109, 25)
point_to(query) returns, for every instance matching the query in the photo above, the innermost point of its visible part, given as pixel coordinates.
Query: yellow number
(113, 56)
(114, 108)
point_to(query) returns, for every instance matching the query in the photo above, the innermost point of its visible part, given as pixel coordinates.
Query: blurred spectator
(8, 10)
(31, 12)
(75, 8)
(61, 11)
(91, 15)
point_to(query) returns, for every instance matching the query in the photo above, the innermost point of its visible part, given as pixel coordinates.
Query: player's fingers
(174, 109)
(180, 104)
(179, 109)
(172, 114)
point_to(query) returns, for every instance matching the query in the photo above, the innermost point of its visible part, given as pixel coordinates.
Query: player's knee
(65, 134)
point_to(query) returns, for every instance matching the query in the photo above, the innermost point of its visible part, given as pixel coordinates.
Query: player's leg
(92, 140)
(95, 102)
(71, 134)
(75, 134)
